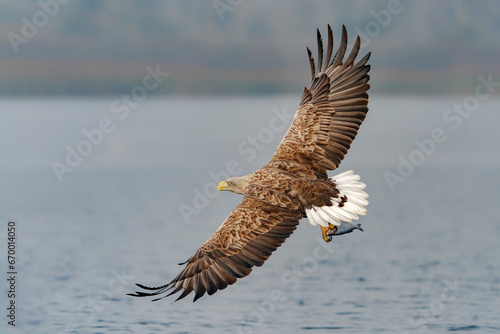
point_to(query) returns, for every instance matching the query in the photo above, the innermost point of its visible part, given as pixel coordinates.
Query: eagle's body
(294, 184)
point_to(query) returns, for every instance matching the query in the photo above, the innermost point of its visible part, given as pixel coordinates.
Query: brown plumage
(294, 182)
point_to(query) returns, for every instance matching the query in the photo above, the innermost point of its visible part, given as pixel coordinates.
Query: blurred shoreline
(82, 78)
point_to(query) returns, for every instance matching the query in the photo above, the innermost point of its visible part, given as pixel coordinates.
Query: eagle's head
(237, 185)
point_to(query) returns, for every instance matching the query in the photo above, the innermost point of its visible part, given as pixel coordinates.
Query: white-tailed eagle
(294, 184)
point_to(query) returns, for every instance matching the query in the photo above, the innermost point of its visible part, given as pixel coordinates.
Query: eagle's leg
(327, 236)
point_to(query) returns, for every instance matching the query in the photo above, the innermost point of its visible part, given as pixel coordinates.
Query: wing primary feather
(209, 285)
(354, 52)
(198, 287)
(177, 289)
(341, 51)
(328, 49)
(216, 279)
(363, 61)
(150, 288)
(320, 49)
(223, 274)
(311, 64)
(184, 293)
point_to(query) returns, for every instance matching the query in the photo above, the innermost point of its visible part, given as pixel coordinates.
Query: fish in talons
(343, 228)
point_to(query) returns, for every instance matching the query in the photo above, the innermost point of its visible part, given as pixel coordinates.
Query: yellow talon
(324, 231)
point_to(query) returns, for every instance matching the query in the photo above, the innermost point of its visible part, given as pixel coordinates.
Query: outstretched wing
(248, 236)
(331, 110)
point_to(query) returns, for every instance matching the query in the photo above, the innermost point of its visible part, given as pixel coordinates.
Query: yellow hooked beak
(222, 186)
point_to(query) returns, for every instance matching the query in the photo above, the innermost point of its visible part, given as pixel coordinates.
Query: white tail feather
(349, 186)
